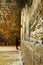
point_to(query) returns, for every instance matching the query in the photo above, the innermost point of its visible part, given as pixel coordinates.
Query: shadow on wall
(2, 40)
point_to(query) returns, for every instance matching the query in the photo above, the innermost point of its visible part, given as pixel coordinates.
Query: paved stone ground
(10, 56)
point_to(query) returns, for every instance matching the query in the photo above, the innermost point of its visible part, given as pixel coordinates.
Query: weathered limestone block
(32, 53)
(33, 50)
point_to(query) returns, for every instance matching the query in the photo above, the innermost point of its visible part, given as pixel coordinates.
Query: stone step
(10, 56)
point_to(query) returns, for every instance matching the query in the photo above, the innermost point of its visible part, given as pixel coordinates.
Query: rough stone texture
(32, 33)
(32, 22)
(9, 21)
(32, 54)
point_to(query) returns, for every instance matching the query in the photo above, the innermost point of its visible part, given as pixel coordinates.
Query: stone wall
(32, 53)
(31, 21)
(25, 23)
(32, 33)
(9, 21)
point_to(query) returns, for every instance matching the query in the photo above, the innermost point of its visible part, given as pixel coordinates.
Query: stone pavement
(10, 56)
